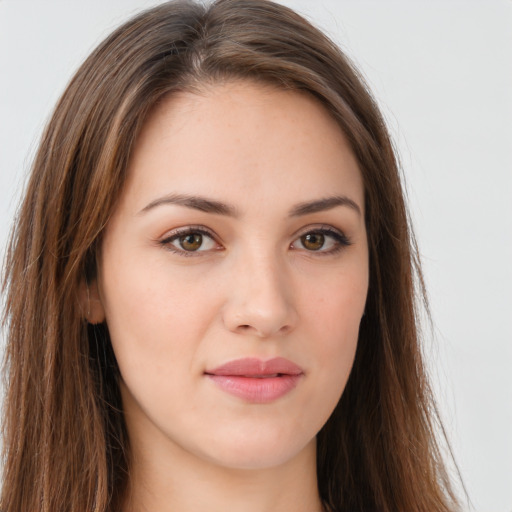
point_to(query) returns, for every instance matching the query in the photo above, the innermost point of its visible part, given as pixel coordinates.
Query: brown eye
(313, 241)
(324, 240)
(191, 241)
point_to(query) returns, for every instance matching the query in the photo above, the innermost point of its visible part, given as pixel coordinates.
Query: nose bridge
(261, 301)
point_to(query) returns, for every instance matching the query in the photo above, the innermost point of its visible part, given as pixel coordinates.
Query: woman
(210, 285)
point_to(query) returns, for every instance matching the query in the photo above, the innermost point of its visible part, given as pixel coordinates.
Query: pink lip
(255, 380)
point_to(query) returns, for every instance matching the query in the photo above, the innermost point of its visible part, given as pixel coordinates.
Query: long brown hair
(65, 442)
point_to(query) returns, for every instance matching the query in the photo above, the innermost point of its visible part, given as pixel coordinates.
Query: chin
(258, 454)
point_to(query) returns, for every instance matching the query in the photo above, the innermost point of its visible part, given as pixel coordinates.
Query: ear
(90, 302)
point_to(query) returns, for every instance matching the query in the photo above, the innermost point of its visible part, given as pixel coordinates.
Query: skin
(255, 288)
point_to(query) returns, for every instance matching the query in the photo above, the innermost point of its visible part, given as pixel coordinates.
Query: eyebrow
(320, 205)
(207, 205)
(202, 204)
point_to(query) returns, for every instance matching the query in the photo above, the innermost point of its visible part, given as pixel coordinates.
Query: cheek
(153, 317)
(336, 306)
(334, 314)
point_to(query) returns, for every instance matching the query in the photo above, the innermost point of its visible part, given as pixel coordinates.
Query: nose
(260, 300)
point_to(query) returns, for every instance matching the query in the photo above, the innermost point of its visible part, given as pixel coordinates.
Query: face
(233, 275)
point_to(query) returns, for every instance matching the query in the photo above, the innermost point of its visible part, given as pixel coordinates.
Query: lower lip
(256, 390)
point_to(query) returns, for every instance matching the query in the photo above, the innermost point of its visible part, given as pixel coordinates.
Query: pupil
(191, 242)
(313, 241)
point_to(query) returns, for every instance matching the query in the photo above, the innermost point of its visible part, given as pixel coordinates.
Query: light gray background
(442, 72)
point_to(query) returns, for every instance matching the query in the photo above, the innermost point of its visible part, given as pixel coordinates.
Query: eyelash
(341, 241)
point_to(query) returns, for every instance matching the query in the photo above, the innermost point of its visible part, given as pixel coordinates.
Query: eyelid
(183, 230)
(320, 228)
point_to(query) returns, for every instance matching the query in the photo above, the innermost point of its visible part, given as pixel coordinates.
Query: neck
(161, 484)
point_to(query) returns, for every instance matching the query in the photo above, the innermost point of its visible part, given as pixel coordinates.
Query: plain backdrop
(442, 73)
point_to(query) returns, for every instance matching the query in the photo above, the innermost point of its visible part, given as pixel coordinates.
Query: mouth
(255, 380)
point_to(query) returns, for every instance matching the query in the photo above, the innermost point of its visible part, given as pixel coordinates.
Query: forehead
(242, 138)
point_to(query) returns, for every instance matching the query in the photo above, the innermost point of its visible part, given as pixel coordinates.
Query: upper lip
(254, 367)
